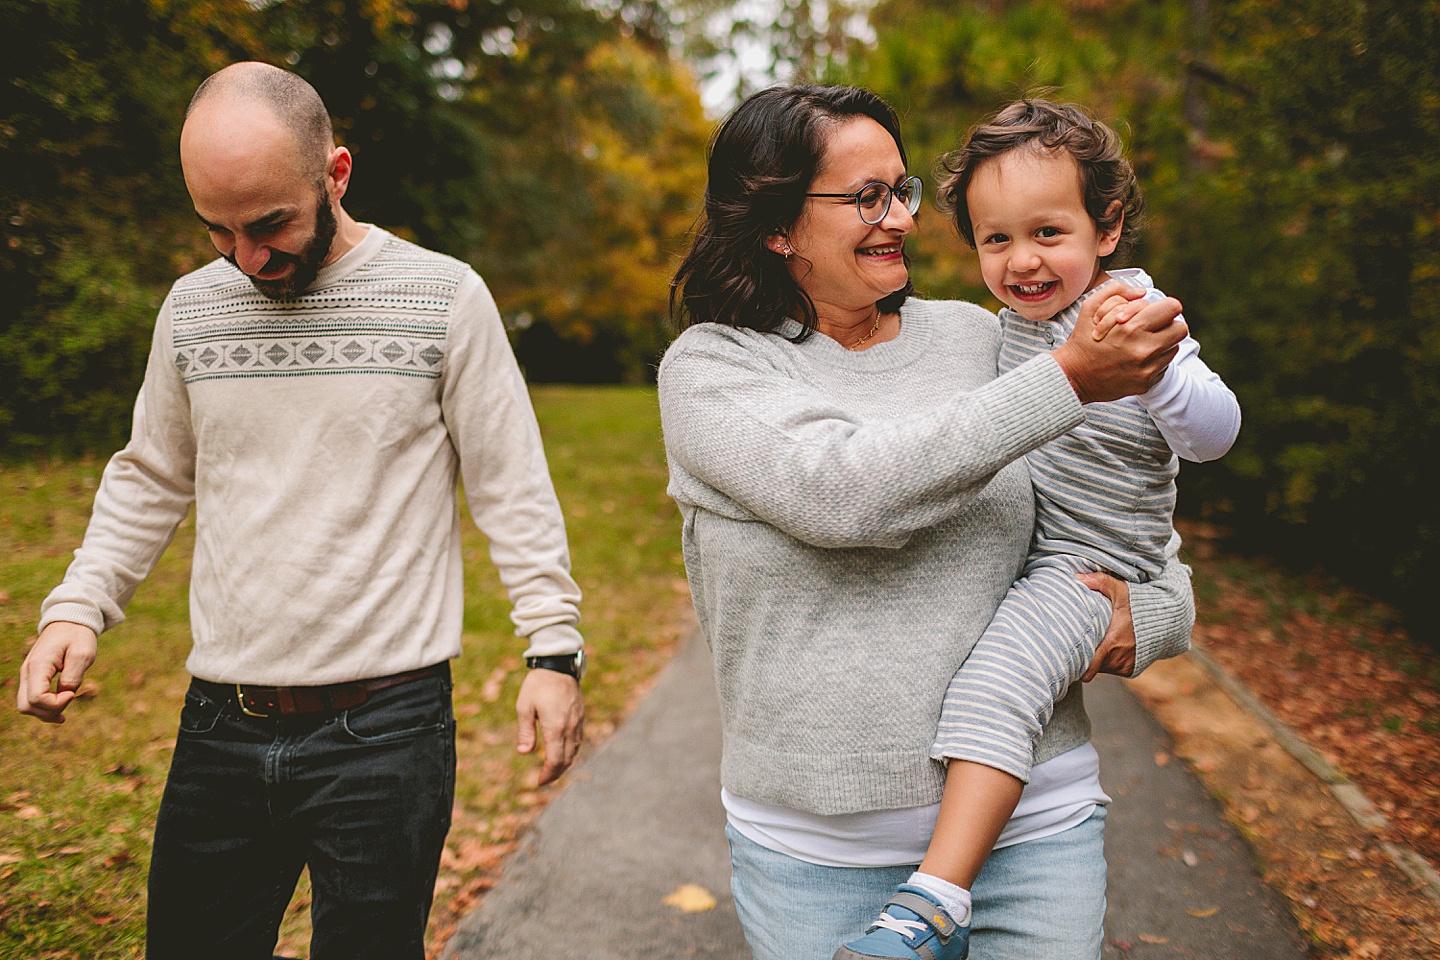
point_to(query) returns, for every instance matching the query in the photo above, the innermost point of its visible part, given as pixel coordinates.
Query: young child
(1046, 199)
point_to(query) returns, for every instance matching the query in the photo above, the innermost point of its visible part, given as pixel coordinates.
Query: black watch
(571, 663)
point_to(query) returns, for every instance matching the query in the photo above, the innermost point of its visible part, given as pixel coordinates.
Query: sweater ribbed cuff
(1032, 403)
(554, 641)
(1163, 620)
(70, 612)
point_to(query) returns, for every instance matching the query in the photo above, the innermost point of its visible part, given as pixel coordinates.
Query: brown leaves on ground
(1334, 669)
(1346, 678)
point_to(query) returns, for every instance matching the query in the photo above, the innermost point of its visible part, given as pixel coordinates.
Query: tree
(1314, 247)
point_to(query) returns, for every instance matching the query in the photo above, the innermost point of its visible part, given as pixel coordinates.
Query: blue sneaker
(911, 927)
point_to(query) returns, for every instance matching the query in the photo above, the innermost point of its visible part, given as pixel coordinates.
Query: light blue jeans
(1039, 899)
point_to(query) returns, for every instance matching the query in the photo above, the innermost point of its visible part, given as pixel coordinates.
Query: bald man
(315, 393)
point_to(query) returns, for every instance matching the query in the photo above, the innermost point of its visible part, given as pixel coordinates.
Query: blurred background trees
(557, 145)
(1288, 149)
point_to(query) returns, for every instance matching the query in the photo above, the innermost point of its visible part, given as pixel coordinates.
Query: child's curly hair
(1105, 175)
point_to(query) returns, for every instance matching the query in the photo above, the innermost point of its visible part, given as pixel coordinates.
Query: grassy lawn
(78, 801)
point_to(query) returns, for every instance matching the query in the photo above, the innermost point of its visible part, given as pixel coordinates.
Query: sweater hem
(850, 782)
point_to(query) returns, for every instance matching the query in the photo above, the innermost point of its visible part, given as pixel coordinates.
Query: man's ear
(1110, 239)
(337, 172)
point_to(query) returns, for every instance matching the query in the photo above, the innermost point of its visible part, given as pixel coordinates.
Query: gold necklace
(873, 328)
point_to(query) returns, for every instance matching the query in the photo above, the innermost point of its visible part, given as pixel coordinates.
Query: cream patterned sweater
(320, 441)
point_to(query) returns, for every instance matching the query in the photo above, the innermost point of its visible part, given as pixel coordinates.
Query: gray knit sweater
(851, 522)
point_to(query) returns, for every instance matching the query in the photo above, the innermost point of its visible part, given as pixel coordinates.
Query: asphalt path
(642, 818)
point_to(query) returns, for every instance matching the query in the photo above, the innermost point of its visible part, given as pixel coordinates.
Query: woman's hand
(1116, 653)
(1137, 343)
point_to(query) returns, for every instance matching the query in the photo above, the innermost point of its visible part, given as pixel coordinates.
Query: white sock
(955, 900)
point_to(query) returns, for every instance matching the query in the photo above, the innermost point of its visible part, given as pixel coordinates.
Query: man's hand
(1116, 653)
(64, 649)
(552, 700)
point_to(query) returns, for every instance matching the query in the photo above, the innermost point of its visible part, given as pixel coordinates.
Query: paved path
(642, 817)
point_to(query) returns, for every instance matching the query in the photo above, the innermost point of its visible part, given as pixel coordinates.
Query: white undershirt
(1062, 793)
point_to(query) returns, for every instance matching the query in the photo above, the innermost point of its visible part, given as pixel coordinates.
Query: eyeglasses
(873, 200)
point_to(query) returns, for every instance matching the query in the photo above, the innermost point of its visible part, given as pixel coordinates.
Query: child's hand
(1111, 314)
(1116, 307)
(1134, 353)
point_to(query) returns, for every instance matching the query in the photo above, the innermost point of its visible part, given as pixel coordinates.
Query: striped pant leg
(1041, 641)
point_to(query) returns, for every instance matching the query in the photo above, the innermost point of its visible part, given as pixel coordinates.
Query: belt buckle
(240, 699)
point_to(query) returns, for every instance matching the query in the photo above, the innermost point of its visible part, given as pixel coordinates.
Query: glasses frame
(913, 206)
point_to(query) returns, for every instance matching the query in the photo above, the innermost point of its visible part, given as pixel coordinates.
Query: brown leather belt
(258, 701)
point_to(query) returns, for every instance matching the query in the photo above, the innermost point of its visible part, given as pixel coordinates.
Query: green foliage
(554, 144)
(86, 167)
(1314, 254)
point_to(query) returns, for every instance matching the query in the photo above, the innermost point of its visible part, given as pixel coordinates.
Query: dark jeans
(362, 796)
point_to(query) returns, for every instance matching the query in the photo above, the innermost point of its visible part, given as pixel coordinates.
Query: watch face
(581, 662)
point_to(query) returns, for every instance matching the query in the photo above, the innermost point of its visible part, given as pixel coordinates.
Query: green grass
(78, 801)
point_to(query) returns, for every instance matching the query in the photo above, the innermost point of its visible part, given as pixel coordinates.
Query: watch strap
(568, 663)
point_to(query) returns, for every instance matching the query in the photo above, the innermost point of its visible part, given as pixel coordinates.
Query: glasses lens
(874, 202)
(909, 194)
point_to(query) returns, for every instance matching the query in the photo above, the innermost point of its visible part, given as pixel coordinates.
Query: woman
(848, 467)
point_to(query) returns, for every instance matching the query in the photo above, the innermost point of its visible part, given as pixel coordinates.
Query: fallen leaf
(1203, 912)
(11, 858)
(1190, 859)
(28, 813)
(1162, 759)
(690, 898)
(490, 689)
(1152, 938)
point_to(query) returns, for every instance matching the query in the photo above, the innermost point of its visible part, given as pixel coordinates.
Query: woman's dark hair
(1105, 175)
(762, 161)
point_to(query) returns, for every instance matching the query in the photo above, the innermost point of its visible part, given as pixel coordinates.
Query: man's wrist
(569, 663)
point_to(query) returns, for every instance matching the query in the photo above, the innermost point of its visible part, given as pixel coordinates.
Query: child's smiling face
(1039, 249)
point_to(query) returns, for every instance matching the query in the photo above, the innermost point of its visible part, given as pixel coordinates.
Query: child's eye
(995, 238)
(1047, 232)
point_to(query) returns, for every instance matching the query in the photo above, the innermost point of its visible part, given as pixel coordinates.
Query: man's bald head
(266, 178)
(292, 101)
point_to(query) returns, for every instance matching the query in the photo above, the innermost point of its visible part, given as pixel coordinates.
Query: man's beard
(307, 262)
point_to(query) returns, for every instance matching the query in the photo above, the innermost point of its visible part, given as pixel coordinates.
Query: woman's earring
(787, 252)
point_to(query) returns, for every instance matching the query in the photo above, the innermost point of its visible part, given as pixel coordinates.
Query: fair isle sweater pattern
(388, 317)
